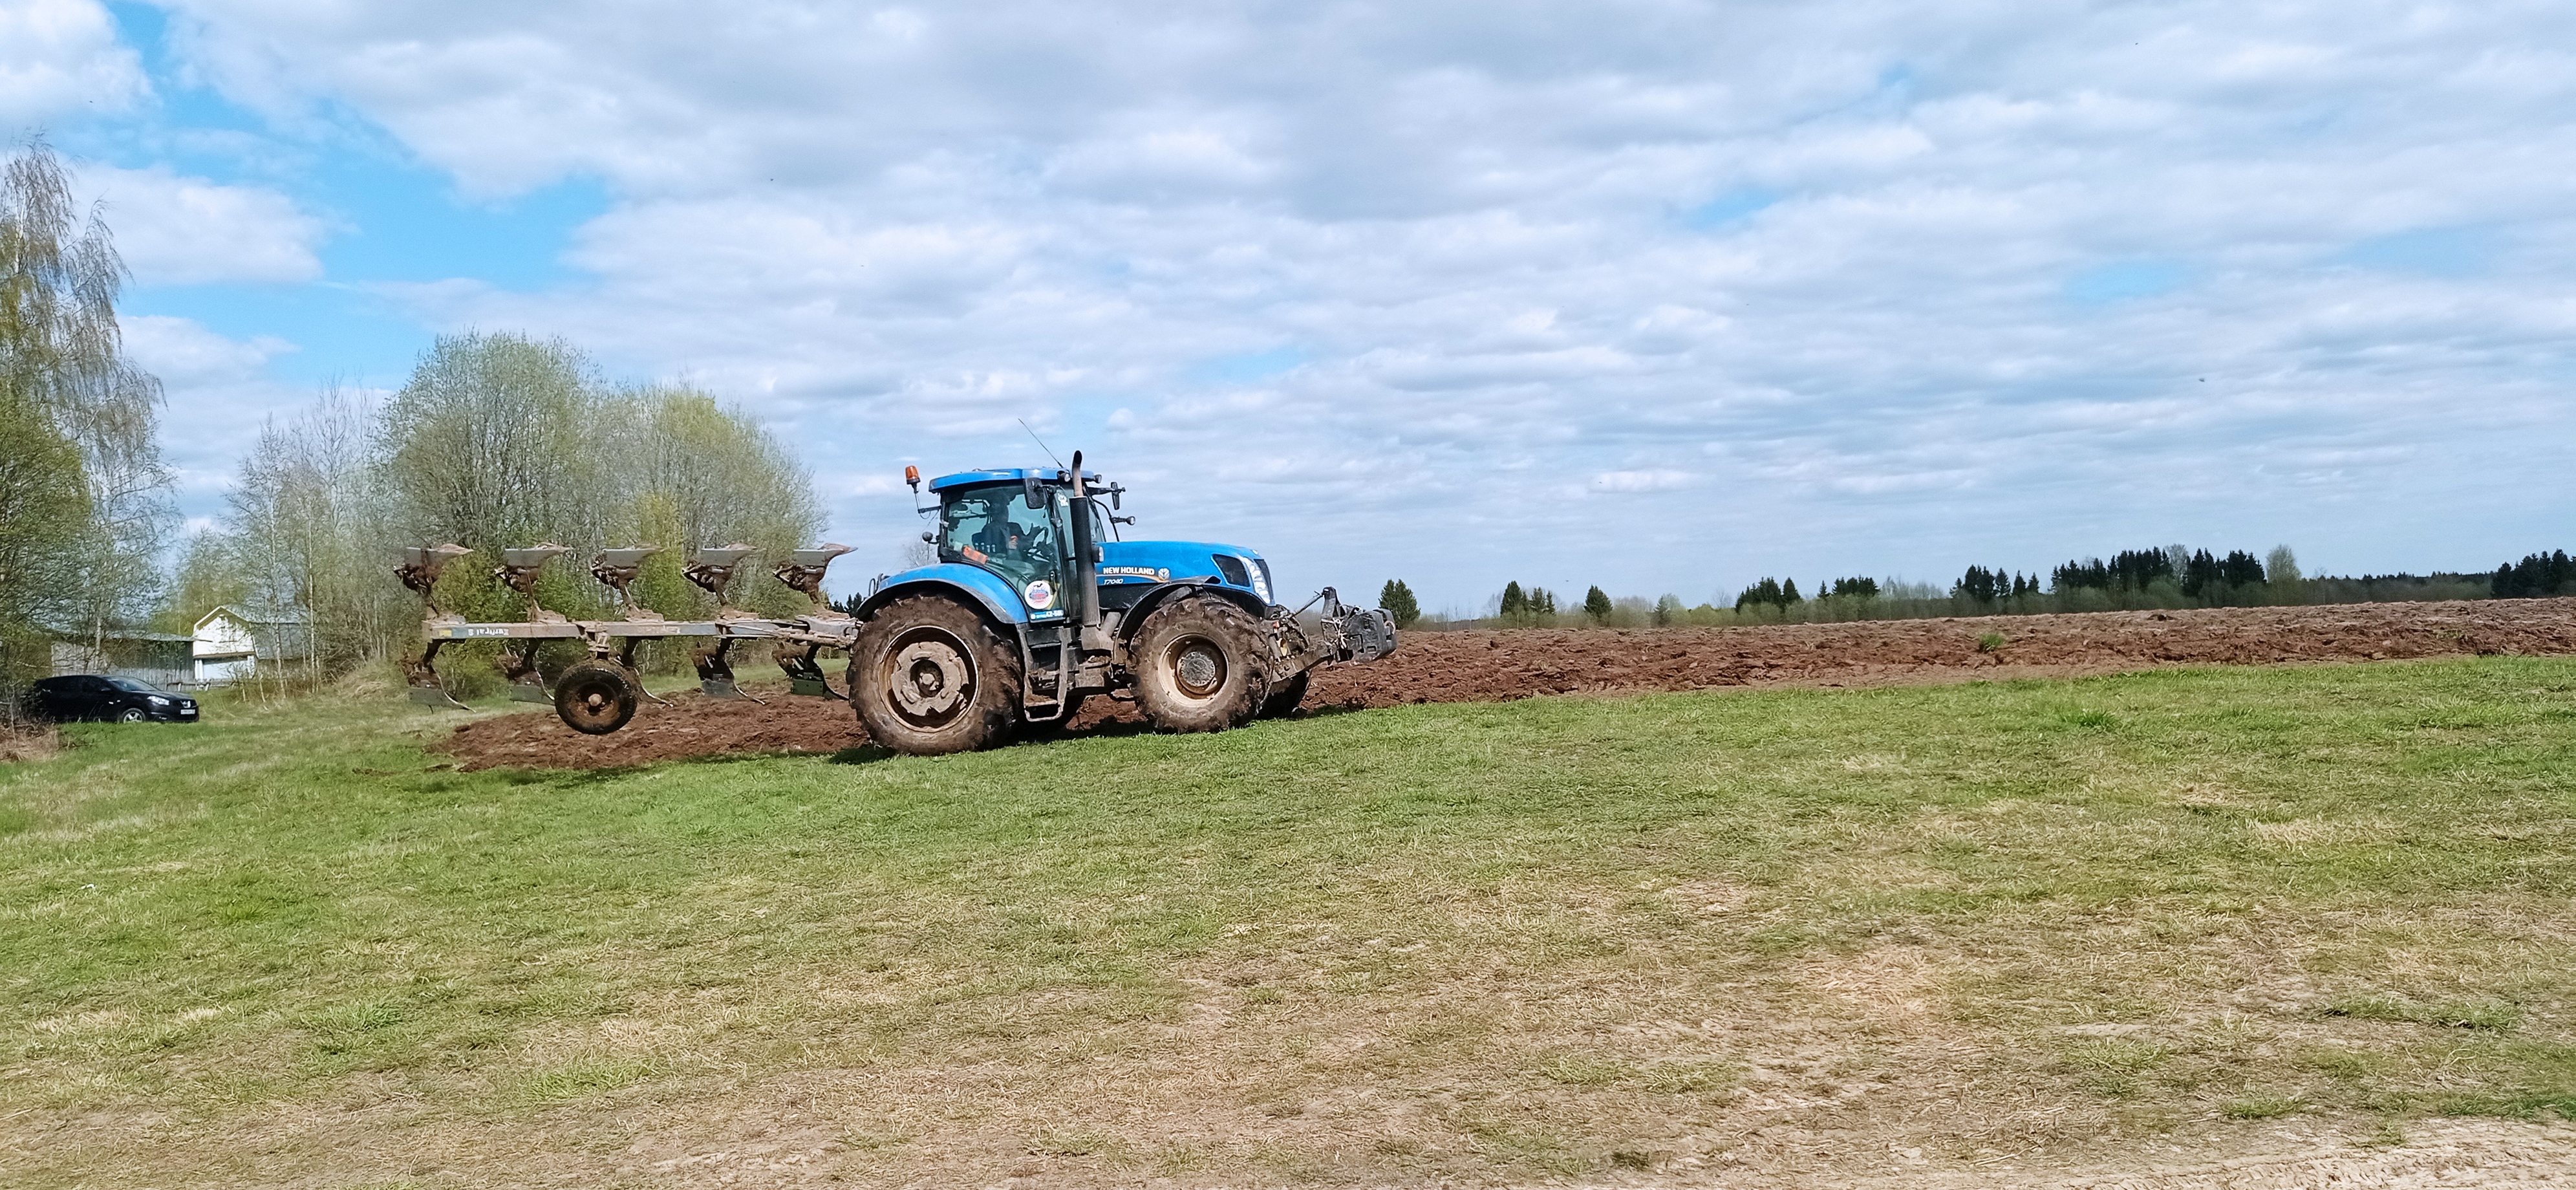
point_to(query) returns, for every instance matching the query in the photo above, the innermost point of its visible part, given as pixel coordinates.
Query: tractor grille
(1232, 568)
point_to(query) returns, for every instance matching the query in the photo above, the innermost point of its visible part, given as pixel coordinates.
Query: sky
(1659, 296)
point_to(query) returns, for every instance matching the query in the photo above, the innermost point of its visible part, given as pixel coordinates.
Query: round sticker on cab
(1040, 594)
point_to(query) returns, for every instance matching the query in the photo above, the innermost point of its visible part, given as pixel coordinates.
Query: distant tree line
(2156, 577)
(1516, 605)
(2537, 575)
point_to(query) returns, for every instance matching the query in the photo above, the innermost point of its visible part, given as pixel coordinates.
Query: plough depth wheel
(596, 697)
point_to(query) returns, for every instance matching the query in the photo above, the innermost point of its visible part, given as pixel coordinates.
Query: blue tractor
(1035, 604)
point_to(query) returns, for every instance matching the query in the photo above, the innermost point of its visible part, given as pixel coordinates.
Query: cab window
(994, 527)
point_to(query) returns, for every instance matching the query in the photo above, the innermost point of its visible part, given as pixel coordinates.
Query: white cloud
(176, 230)
(217, 392)
(1829, 257)
(62, 56)
(186, 355)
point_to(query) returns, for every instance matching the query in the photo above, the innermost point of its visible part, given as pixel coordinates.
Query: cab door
(994, 528)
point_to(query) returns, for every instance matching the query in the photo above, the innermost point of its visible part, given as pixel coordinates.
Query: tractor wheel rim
(929, 679)
(1198, 666)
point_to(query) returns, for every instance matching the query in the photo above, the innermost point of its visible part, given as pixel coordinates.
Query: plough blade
(420, 677)
(804, 674)
(715, 673)
(436, 696)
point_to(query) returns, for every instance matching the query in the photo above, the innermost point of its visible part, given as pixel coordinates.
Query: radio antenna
(1033, 437)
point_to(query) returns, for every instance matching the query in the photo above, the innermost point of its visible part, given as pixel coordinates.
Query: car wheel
(131, 715)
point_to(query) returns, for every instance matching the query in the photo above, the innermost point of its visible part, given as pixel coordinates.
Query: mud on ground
(1499, 666)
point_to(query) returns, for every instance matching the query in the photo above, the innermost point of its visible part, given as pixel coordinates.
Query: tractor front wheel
(595, 697)
(930, 676)
(1198, 666)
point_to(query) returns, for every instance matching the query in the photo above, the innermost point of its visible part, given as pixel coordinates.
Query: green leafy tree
(1596, 604)
(726, 478)
(309, 532)
(1668, 611)
(1515, 602)
(1399, 603)
(493, 444)
(86, 505)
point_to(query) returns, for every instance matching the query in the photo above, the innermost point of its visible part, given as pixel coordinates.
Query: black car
(123, 700)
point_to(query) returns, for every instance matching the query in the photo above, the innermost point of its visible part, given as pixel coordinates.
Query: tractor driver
(1001, 537)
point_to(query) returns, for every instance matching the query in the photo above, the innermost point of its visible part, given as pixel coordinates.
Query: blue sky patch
(2431, 251)
(403, 223)
(1249, 367)
(2126, 281)
(1734, 206)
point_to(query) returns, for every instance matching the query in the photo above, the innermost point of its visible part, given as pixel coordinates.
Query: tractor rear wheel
(1284, 700)
(595, 697)
(930, 676)
(1198, 666)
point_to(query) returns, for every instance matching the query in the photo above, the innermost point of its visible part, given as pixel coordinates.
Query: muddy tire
(931, 676)
(1286, 697)
(1198, 666)
(595, 697)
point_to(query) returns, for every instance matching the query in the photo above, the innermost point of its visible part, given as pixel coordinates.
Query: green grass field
(1785, 929)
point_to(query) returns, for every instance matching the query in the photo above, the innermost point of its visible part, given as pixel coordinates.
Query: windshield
(130, 684)
(994, 527)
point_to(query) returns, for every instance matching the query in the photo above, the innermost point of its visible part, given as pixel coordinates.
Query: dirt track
(1496, 666)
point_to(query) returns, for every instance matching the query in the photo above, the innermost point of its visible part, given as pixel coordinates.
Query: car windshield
(137, 687)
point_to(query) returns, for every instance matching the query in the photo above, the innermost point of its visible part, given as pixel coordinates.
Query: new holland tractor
(1033, 606)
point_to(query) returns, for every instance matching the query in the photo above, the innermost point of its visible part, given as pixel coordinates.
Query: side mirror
(1029, 488)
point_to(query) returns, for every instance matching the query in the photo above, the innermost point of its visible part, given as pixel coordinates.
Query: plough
(599, 695)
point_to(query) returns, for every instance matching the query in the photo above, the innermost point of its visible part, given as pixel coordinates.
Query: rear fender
(968, 584)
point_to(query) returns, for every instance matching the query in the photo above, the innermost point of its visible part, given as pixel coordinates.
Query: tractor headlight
(1261, 579)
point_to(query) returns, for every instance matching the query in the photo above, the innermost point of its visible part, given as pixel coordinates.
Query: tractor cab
(1018, 526)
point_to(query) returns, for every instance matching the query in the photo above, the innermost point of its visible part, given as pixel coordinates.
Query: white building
(231, 642)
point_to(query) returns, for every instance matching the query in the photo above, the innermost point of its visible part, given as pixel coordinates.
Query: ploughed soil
(1497, 666)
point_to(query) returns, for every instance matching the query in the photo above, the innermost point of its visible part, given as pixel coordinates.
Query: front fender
(1163, 593)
